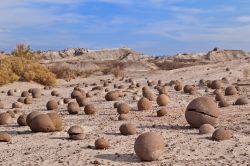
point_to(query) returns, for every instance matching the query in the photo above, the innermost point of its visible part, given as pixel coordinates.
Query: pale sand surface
(183, 145)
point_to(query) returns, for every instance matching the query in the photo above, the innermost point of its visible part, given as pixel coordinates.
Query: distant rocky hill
(85, 59)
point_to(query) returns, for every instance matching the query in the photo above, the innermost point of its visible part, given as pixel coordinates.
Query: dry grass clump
(116, 68)
(245, 73)
(63, 71)
(23, 65)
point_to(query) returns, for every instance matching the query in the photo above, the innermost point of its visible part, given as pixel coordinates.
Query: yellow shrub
(24, 67)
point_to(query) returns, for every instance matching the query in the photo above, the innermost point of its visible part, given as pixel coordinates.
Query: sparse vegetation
(23, 65)
(116, 68)
(63, 71)
(245, 73)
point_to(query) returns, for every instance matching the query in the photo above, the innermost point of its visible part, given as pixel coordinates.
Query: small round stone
(206, 129)
(221, 134)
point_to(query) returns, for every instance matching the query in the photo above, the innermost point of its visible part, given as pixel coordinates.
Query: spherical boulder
(202, 110)
(223, 103)
(123, 117)
(163, 90)
(162, 100)
(242, 101)
(162, 112)
(75, 94)
(76, 133)
(12, 114)
(144, 104)
(10, 92)
(17, 105)
(89, 109)
(206, 129)
(21, 120)
(66, 100)
(31, 115)
(73, 108)
(52, 105)
(102, 143)
(21, 99)
(127, 129)
(231, 90)
(55, 93)
(219, 97)
(123, 108)
(25, 94)
(116, 104)
(36, 93)
(4, 137)
(57, 120)
(149, 146)
(178, 87)
(28, 100)
(221, 134)
(187, 88)
(5, 118)
(149, 95)
(112, 96)
(42, 123)
(82, 101)
(216, 84)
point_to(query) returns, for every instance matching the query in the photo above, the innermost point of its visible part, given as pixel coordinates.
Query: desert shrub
(116, 68)
(23, 65)
(63, 71)
(245, 73)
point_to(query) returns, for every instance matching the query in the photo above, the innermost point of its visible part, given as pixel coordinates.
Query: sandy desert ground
(183, 145)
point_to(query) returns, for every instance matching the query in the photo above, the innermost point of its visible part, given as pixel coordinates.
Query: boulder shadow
(167, 127)
(130, 158)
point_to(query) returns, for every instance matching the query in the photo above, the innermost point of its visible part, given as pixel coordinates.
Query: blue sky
(156, 27)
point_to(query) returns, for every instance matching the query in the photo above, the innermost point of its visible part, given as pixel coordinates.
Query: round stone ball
(149, 146)
(202, 110)
(25, 94)
(66, 100)
(206, 129)
(82, 101)
(12, 114)
(76, 133)
(219, 97)
(17, 105)
(4, 137)
(55, 93)
(102, 143)
(144, 104)
(42, 123)
(223, 103)
(10, 92)
(161, 112)
(28, 100)
(163, 90)
(162, 100)
(127, 129)
(89, 109)
(57, 120)
(21, 99)
(31, 115)
(221, 134)
(112, 96)
(36, 93)
(52, 105)
(231, 90)
(116, 104)
(75, 94)
(5, 118)
(73, 108)
(149, 95)
(216, 84)
(123, 117)
(178, 87)
(187, 88)
(21, 120)
(123, 108)
(242, 101)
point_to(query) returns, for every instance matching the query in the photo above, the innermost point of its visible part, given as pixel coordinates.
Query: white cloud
(244, 19)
